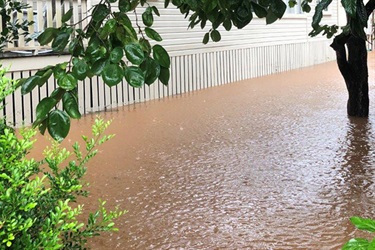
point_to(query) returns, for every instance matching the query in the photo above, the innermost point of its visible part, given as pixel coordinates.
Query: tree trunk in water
(353, 68)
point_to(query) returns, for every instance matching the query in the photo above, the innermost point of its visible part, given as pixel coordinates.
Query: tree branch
(338, 45)
(370, 7)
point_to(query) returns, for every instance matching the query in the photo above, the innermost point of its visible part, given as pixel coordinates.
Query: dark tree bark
(353, 68)
(351, 56)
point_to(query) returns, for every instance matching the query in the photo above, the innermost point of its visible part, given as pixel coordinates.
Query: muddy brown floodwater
(267, 163)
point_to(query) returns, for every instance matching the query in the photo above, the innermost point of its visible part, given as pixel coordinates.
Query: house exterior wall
(254, 51)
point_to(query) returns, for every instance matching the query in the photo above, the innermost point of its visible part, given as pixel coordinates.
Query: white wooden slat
(131, 92)
(30, 18)
(123, 93)
(147, 93)
(173, 85)
(48, 6)
(190, 73)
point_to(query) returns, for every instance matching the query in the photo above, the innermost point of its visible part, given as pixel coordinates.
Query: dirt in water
(266, 163)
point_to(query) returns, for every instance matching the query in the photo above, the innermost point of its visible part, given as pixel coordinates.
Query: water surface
(267, 163)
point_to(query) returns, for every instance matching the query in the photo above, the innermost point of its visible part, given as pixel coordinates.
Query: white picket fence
(45, 13)
(189, 73)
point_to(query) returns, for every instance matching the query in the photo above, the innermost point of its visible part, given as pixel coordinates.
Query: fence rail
(44, 13)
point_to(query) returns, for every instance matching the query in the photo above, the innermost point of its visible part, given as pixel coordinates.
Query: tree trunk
(357, 84)
(353, 68)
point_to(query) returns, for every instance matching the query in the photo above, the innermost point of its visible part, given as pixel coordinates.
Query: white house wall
(255, 51)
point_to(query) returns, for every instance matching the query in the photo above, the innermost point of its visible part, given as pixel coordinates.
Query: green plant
(7, 86)
(38, 199)
(361, 243)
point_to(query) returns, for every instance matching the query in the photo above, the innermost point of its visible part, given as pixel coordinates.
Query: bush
(360, 243)
(38, 206)
(38, 198)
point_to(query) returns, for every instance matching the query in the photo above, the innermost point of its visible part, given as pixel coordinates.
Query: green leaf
(67, 81)
(155, 10)
(278, 8)
(47, 36)
(356, 244)
(124, 5)
(70, 105)
(362, 13)
(59, 70)
(58, 93)
(45, 76)
(363, 223)
(350, 7)
(100, 12)
(161, 56)
(147, 17)
(259, 10)
(116, 55)
(60, 42)
(146, 46)
(153, 34)
(215, 36)
(164, 75)
(166, 3)
(29, 84)
(66, 17)
(112, 74)
(271, 18)
(306, 8)
(43, 108)
(322, 5)
(58, 125)
(98, 66)
(151, 70)
(134, 53)
(43, 126)
(80, 69)
(227, 25)
(206, 38)
(134, 76)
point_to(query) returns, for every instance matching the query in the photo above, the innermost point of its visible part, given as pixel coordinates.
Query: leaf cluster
(12, 28)
(38, 199)
(111, 46)
(231, 13)
(361, 243)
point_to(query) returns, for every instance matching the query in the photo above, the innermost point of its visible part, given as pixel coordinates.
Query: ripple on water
(257, 169)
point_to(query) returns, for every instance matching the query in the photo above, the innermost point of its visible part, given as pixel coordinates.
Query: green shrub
(38, 199)
(360, 243)
(7, 87)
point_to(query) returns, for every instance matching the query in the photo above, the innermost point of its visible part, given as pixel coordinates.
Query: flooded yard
(266, 163)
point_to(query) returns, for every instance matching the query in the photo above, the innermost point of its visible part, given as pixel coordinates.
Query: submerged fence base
(188, 73)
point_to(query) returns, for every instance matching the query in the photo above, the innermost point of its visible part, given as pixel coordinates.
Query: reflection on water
(356, 176)
(270, 163)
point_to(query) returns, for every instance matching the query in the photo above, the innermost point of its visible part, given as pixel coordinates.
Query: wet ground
(267, 163)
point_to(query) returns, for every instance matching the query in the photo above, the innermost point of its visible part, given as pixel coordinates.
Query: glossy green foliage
(13, 29)
(112, 47)
(360, 243)
(230, 13)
